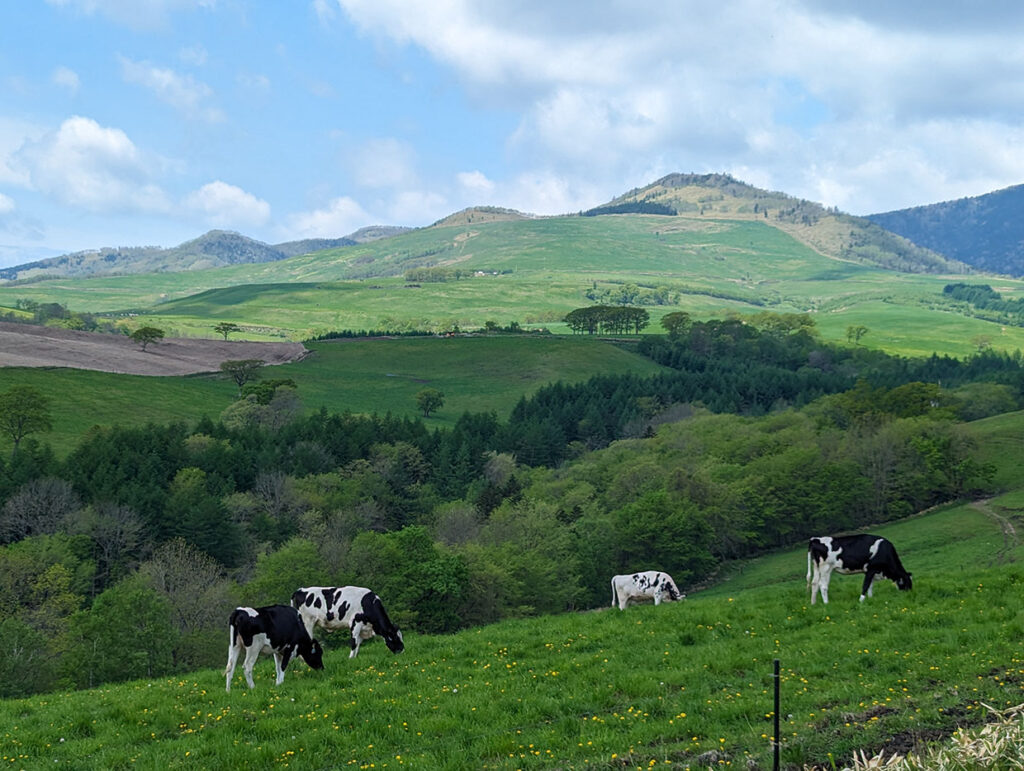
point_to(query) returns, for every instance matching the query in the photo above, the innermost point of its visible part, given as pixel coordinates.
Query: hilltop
(214, 249)
(680, 196)
(827, 231)
(985, 231)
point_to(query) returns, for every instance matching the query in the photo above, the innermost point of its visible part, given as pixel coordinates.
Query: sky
(149, 122)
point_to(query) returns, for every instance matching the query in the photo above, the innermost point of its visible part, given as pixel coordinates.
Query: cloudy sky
(131, 122)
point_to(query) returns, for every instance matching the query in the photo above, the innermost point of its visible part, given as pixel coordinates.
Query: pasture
(359, 375)
(533, 272)
(684, 685)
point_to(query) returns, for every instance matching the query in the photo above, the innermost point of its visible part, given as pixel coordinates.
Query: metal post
(775, 737)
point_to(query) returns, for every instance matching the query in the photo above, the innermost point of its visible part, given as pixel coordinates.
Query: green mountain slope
(985, 231)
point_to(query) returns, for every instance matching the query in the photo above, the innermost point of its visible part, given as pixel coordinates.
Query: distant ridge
(828, 231)
(986, 231)
(214, 249)
(477, 214)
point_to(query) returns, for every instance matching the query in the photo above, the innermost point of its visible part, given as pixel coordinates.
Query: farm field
(533, 272)
(476, 374)
(683, 685)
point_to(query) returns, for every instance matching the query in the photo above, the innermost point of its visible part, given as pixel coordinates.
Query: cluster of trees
(631, 294)
(58, 315)
(985, 299)
(153, 533)
(645, 206)
(608, 320)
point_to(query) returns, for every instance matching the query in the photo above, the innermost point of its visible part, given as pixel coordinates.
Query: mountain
(986, 231)
(214, 249)
(829, 231)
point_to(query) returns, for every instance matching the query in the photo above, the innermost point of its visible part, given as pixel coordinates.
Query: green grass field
(648, 687)
(476, 374)
(535, 271)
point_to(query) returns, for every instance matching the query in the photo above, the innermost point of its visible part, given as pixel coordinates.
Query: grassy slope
(651, 686)
(748, 264)
(475, 374)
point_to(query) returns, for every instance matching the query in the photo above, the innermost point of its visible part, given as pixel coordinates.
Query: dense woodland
(143, 538)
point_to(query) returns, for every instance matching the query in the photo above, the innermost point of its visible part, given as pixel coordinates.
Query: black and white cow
(868, 554)
(648, 584)
(347, 607)
(274, 628)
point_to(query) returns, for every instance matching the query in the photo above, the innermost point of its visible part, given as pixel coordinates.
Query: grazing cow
(650, 583)
(275, 628)
(350, 607)
(867, 554)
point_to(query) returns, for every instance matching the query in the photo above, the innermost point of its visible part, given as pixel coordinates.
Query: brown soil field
(24, 345)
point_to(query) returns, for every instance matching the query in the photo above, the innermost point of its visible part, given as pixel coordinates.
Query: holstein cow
(868, 554)
(347, 607)
(274, 628)
(650, 583)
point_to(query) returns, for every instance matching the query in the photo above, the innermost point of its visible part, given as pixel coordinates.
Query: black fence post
(775, 715)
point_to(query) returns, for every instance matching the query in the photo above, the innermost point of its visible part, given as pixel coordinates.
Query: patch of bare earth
(24, 345)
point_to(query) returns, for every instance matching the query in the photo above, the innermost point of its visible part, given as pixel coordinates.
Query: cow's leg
(234, 648)
(251, 654)
(357, 638)
(280, 662)
(815, 580)
(869, 579)
(824, 576)
(657, 597)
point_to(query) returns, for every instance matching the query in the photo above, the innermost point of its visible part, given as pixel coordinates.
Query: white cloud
(6, 204)
(91, 167)
(338, 218)
(228, 206)
(187, 96)
(384, 163)
(418, 206)
(475, 182)
(823, 99)
(66, 78)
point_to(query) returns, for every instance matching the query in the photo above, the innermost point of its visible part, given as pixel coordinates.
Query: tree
(429, 400)
(242, 370)
(226, 328)
(23, 411)
(855, 332)
(146, 335)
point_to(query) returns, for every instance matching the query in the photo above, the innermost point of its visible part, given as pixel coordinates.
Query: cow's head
(393, 639)
(313, 654)
(903, 582)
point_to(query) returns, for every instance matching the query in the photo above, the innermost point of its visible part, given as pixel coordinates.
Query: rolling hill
(728, 248)
(214, 249)
(986, 231)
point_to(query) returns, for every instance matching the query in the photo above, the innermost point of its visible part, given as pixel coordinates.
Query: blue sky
(130, 122)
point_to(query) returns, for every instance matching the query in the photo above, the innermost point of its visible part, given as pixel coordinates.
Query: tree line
(759, 436)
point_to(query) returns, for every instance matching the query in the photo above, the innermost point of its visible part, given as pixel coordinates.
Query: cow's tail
(808, 568)
(615, 597)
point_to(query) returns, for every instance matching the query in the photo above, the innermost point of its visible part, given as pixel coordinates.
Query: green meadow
(477, 374)
(682, 685)
(533, 272)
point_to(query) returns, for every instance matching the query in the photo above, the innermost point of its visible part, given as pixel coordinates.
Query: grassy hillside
(534, 271)
(683, 685)
(475, 374)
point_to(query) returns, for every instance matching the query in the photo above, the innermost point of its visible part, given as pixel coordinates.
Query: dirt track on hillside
(24, 345)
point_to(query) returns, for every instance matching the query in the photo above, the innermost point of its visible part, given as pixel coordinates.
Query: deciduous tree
(242, 371)
(146, 335)
(23, 411)
(225, 328)
(429, 400)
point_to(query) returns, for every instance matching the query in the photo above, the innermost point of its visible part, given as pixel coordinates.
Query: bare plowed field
(23, 345)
